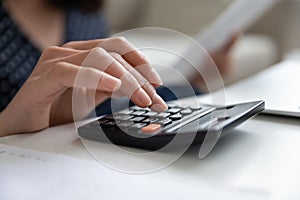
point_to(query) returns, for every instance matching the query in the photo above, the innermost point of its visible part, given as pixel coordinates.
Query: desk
(262, 154)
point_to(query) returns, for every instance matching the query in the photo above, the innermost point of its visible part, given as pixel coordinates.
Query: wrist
(8, 125)
(3, 128)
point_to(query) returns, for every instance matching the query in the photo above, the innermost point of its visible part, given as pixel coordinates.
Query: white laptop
(278, 85)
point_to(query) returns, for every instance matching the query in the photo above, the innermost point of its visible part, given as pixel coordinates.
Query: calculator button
(137, 126)
(164, 122)
(150, 120)
(137, 119)
(176, 117)
(149, 114)
(173, 110)
(125, 112)
(123, 117)
(172, 105)
(138, 113)
(186, 112)
(183, 106)
(195, 107)
(151, 128)
(163, 115)
(136, 108)
(125, 124)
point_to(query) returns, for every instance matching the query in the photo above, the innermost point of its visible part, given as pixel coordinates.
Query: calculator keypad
(143, 120)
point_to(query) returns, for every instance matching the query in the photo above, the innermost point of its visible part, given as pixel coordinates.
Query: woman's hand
(46, 97)
(222, 59)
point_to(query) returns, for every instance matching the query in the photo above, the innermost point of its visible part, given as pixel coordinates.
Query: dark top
(18, 56)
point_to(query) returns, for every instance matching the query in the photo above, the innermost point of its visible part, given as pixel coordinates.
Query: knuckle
(89, 70)
(127, 77)
(143, 82)
(148, 87)
(99, 53)
(51, 50)
(69, 44)
(115, 55)
(130, 79)
(121, 40)
(59, 69)
(99, 50)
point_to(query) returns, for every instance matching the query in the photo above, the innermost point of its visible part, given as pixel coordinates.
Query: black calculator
(143, 128)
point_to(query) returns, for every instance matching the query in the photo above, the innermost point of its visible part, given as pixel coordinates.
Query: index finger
(121, 46)
(134, 57)
(118, 44)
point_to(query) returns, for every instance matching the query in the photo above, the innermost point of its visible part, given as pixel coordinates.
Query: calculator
(142, 128)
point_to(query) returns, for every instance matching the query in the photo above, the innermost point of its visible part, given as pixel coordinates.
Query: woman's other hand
(222, 59)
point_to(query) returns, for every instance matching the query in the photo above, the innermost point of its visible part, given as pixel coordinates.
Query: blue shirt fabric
(18, 56)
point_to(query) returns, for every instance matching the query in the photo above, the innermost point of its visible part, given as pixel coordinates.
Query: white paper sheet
(239, 16)
(30, 175)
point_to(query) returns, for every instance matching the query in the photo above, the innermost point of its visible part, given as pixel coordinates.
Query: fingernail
(155, 78)
(159, 105)
(143, 97)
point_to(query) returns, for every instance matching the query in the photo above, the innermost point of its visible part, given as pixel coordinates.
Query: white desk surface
(262, 154)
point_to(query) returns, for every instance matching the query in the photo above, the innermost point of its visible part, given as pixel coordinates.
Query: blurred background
(268, 41)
